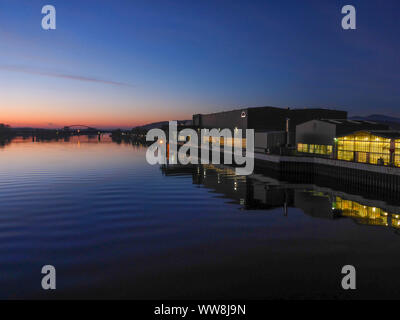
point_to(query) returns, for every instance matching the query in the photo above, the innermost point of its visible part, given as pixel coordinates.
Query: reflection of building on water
(222, 180)
(315, 204)
(259, 192)
(366, 214)
(320, 204)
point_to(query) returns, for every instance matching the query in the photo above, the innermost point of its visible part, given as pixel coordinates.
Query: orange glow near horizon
(53, 123)
(41, 119)
(36, 107)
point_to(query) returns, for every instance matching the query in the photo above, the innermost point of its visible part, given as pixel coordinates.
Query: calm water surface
(116, 227)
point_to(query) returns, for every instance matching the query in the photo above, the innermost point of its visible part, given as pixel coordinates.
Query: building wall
(265, 119)
(269, 140)
(196, 119)
(316, 132)
(222, 120)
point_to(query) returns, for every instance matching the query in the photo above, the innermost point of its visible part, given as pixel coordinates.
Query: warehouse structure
(265, 119)
(358, 141)
(318, 136)
(373, 146)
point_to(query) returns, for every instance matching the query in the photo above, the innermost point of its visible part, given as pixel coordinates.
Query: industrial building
(358, 141)
(265, 119)
(316, 132)
(374, 147)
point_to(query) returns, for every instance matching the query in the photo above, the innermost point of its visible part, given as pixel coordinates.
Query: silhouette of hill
(162, 124)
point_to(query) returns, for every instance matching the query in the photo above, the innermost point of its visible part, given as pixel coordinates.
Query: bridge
(80, 127)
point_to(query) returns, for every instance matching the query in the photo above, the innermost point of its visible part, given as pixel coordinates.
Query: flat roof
(346, 121)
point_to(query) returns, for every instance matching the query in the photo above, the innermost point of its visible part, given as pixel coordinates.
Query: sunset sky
(126, 63)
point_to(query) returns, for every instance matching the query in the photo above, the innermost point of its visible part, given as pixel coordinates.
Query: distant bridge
(78, 127)
(84, 129)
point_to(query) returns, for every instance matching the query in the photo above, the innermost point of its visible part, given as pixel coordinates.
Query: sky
(126, 63)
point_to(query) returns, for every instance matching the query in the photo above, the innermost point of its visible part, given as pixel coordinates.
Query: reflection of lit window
(363, 214)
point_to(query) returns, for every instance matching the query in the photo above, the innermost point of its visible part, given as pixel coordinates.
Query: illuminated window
(361, 157)
(314, 148)
(365, 147)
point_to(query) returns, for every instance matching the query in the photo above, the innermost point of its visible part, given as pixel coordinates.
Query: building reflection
(363, 214)
(260, 192)
(5, 141)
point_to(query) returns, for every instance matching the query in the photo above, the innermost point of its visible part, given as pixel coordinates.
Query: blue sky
(123, 63)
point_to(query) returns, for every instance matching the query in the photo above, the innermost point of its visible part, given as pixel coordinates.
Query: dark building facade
(263, 119)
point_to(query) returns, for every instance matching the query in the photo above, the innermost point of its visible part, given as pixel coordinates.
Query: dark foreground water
(115, 227)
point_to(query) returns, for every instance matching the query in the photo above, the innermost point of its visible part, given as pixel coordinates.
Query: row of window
(314, 148)
(359, 147)
(365, 157)
(364, 146)
(364, 136)
(225, 141)
(358, 156)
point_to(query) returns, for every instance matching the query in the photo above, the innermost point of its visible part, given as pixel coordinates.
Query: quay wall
(360, 177)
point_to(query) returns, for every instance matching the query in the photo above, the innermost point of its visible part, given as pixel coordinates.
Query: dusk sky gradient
(126, 63)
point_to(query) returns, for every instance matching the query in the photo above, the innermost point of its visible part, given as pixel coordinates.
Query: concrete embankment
(369, 179)
(359, 176)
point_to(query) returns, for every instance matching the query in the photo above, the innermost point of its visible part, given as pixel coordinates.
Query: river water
(114, 226)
